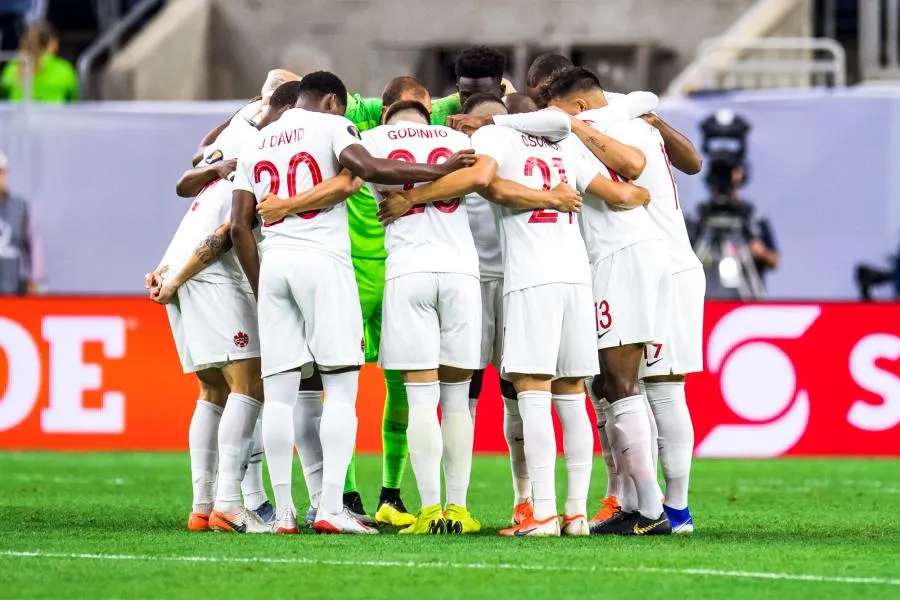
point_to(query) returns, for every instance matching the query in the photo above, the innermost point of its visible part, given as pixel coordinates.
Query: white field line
(448, 565)
(66, 480)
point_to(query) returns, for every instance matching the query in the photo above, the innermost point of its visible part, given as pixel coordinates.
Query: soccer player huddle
(538, 232)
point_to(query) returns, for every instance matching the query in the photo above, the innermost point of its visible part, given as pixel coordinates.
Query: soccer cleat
(286, 525)
(681, 520)
(198, 522)
(459, 520)
(243, 521)
(533, 527)
(311, 517)
(342, 522)
(576, 525)
(353, 503)
(429, 521)
(391, 511)
(265, 512)
(522, 511)
(609, 507)
(633, 523)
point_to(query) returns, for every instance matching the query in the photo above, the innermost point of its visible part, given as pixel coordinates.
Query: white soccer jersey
(540, 246)
(664, 208)
(606, 230)
(289, 157)
(432, 238)
(211, 208)
(486, 233)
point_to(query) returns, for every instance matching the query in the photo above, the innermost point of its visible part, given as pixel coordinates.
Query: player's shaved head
(323, 91)
(479, 69)
(574, 90)
(484, 105)
(519, 103)
(274, 79)
(407, 110)
(405, 88)
(540, 71)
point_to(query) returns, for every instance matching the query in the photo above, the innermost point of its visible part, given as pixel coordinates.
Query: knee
(475, 385)
(598, 389)
(507, 389)
(619, 385)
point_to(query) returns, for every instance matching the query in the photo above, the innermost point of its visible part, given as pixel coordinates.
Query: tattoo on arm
(597, 144)
(211, 248)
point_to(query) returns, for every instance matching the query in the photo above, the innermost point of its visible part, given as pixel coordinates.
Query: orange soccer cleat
(609, 507)
(533, 527)
(522, 511)
(198, 522)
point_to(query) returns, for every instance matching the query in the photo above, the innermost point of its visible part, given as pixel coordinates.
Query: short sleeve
(586, 167)
(343, 134)
(242, 175)
(489, 141)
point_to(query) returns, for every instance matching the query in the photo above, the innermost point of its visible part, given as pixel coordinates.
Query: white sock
(473, 403)
(278, 437)
(252, 486)
(654, 431)
(676, 438)
(515, 439)
(424, 438)
(540, 450)
(235, 435)
(578, 445)
(627, 496)
(601, 408)
(458, 434)
(633, 432)
(337, 431)
(307, 417)
(203, 443)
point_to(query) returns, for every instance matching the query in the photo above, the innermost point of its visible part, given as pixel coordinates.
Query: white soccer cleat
(577, 525)
(243, 521)
(287, 524)
(342, 522)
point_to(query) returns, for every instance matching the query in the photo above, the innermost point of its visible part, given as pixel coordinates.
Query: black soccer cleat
(633, 523)
(353, 503)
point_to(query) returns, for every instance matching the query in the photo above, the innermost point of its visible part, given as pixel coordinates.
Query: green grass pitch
(104, 526)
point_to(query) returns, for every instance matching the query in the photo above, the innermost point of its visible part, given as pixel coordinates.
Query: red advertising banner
(788, 378)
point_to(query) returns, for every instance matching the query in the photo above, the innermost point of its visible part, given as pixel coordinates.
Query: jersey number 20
(298, 159)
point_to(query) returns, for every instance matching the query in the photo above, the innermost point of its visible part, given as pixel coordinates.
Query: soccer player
(308, 299)
(630, 273)
(432, 320)
(548, 342)
(478, 68)
(220, 345)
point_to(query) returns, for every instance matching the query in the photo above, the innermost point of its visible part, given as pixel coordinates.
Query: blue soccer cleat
(265, 512)
(681, 520)
(311, 516)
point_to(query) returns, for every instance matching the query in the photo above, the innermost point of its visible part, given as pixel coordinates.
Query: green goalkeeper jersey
(366, 232)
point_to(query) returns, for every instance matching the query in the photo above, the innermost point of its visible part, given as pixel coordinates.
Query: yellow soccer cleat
(429, 521)
(393, 512)
(460, 520)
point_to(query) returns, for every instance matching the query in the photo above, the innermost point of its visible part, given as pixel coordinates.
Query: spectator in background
(12, 22)
(20, 256)
(53, 78)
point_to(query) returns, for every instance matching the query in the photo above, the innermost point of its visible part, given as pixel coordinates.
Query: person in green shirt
(53, 79)
(478, 69)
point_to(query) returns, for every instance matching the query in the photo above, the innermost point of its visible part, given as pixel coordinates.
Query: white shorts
(682, 351)
(213, 324)
(631, 295)
(549, 330)
(491, 322)
(430, 319)
(308, 312)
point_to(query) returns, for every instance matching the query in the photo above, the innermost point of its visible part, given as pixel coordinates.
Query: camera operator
(736, 246)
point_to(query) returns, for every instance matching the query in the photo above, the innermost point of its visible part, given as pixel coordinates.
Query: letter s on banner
(776, 411)
(70, 376)
(873, 417)
(23, 377)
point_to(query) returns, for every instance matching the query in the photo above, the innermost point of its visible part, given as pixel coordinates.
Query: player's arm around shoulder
(624, 159)
(243, 217)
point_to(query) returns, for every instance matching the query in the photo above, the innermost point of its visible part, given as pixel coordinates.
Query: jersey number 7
(533, 162)
(265, 166)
